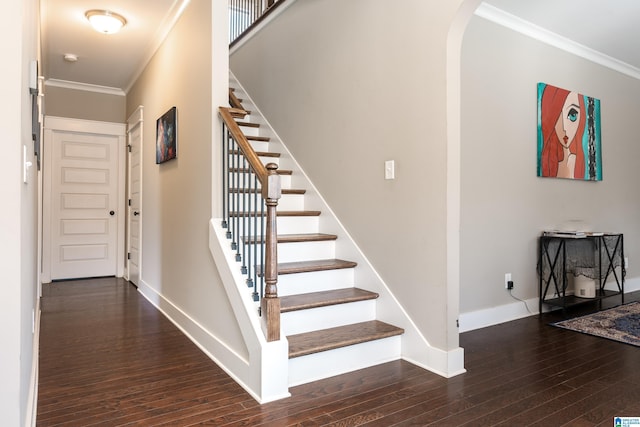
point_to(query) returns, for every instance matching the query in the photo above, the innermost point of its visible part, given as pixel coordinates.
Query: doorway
(83, 199)
(134, 179)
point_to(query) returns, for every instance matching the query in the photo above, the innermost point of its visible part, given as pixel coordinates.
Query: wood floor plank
(109, 358)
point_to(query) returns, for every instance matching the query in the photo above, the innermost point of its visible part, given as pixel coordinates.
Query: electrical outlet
(507, 279)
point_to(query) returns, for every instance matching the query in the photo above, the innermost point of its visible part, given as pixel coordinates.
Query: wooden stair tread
(315, 265)
(248, 124)
(259, 153)
(341, 336)
(311, 237)
(246, 170)
(258, 138)
(310, 266)
(279, 213)
(324, 298)
(258, 190)
(296, 238)
(238, 113)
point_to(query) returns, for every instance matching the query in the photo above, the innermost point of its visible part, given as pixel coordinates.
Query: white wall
(504, 205)
(348, 85)
(18, 251)
(178, 272)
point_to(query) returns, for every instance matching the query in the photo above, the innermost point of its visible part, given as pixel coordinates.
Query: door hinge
(128, 255)
(129, 147)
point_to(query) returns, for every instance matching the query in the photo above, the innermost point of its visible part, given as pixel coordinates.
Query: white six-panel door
(84, 212)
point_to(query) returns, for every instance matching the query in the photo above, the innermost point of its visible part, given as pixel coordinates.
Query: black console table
(594, 255)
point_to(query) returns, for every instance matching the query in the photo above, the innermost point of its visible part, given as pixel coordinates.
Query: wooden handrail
(271, 192)
(234, 101)
(245, 147)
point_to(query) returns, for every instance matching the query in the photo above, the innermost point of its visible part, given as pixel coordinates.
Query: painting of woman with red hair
(568, 134)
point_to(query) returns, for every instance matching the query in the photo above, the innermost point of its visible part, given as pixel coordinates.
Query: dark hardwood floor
(109, 358)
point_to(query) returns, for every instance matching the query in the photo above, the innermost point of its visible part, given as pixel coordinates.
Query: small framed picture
(167, 136)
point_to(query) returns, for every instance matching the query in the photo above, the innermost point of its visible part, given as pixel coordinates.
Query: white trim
(453, 188)
(189, 326)
(32, 399)
(84, 126)
(500, 17)
(85, 87)
(227, 359)
(447, 364)
(136, 119)
(51, 124)
(516, 310)
(175, 12)
(268, 361)
(495, 315)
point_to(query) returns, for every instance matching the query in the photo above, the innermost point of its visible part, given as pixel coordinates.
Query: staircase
(329, 322)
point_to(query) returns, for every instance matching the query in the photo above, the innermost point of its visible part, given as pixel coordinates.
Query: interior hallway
(109, 358)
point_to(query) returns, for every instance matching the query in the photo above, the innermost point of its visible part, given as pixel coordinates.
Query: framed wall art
(167, 136)
(569, 142)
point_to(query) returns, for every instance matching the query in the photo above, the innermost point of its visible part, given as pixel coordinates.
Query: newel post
(270, 304)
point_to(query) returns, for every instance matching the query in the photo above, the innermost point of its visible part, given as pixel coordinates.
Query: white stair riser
(326, 364)
(236, 159)
(249, 130)
(298, 322)
(267, 160)
(304, 251)
(285, 181)
(237, 181)
(291, 202)
(260, 146)
(243, 202)
(285, 225)
(297, 224)
(302, 283)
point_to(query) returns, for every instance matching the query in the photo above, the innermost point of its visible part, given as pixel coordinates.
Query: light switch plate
(390, 169)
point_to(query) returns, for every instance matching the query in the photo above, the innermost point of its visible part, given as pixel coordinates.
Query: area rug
(619, 324)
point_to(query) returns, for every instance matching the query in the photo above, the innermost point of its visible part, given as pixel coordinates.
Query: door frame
(136, 119)
(65, 124)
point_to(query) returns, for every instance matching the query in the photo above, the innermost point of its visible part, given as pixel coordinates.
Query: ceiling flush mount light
(105, 22)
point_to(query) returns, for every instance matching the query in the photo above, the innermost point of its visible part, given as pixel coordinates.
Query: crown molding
(85, 87)
(519, 25)
(175, 12)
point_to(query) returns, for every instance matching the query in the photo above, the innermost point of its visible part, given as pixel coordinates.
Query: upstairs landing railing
(251, 192)
(244, 14)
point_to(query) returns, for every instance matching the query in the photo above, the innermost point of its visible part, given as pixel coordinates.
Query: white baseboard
(32, 398)
(226, 358)
(516, 310)
(447, 364)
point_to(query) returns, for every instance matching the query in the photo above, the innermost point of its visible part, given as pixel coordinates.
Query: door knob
(112, 213)
(136, 213)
